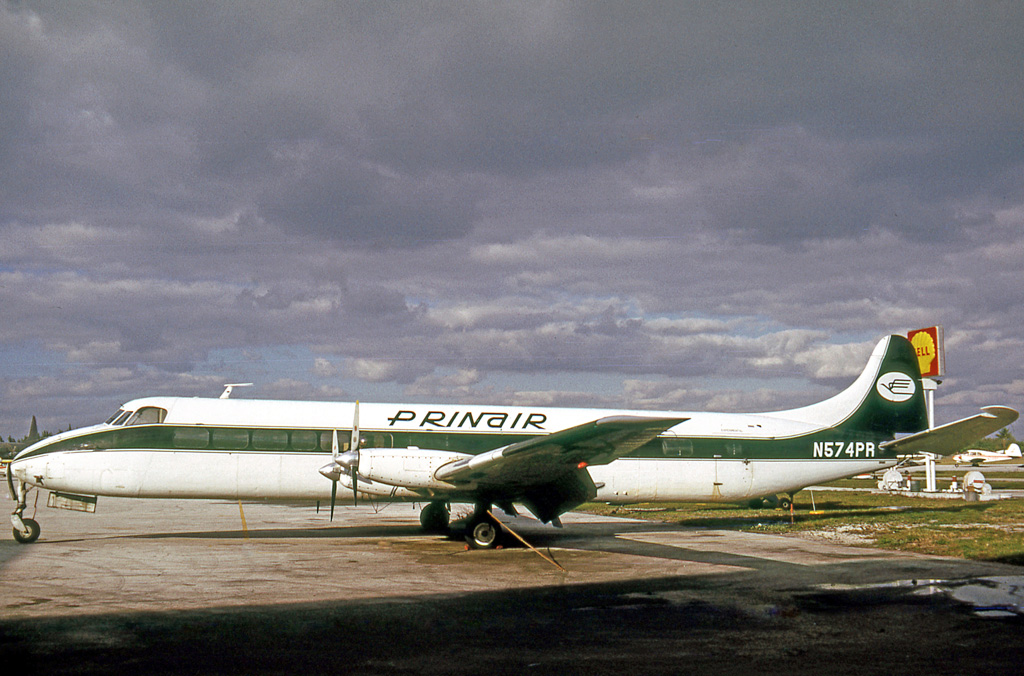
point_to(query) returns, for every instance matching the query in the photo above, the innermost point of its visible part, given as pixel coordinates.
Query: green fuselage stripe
(825, 444)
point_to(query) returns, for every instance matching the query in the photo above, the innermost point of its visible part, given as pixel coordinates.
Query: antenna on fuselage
(229, 387)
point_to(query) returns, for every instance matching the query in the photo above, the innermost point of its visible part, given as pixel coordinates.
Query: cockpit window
(111, 419)
(119, 420)
(148, 415)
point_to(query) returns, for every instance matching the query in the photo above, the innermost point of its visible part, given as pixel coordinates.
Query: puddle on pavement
(992, 597)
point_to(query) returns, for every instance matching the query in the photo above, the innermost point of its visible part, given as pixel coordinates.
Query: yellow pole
(520, 538)
(245, 529)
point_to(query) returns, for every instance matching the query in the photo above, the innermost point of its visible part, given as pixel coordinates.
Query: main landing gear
(784, 501)
(484, 533)
(26, 531)
(482, 530)
(434, 517)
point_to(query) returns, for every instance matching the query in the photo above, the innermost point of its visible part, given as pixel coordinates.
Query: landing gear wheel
(767, 502)
(434, 517)
(785, 502)
(30, 534)
(484, 534)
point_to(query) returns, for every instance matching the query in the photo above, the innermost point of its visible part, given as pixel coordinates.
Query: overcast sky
(688, 205)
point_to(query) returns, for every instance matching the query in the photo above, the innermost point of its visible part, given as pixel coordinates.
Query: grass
(984, 531)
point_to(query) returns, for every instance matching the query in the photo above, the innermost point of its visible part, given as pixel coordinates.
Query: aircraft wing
(548, 473)
(952, 437)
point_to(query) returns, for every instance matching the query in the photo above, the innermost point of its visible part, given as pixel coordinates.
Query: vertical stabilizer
(886, 398)
(896, 401)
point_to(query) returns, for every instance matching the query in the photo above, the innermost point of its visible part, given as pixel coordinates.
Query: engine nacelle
(406, 467)
(374, 489)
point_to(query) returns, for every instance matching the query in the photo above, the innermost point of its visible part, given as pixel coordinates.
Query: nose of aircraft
(28, 470)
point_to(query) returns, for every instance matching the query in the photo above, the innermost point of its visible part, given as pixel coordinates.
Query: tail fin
(887, 397)
(1014, 451)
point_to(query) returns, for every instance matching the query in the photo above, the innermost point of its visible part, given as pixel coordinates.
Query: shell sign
(930, 354)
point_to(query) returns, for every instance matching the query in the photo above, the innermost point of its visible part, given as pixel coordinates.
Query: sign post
(931, 358)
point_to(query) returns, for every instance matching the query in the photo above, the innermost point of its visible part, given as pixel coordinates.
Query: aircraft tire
(484, 534)
(29, 537)
(785, 502)
(434, 517)
(767, 502)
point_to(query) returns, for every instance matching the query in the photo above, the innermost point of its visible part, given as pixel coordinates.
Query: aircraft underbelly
(183, 474)
(248, 475)
(714, 479)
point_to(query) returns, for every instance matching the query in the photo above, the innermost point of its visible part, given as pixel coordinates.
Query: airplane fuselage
(549, 460)
(258, 449)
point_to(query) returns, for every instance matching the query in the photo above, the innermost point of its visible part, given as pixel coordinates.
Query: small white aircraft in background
(978, 457)
(549, 460)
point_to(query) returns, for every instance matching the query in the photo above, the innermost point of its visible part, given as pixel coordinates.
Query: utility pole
(930, 385)
(931, 358)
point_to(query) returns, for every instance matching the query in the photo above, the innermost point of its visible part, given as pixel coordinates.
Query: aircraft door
(733, 473)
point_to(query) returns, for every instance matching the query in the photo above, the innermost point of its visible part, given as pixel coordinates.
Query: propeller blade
(354, 446)
(354, 443)
(334, 495)
(334, 481)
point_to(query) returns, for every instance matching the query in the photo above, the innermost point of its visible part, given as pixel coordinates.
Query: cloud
(338, 199)
(373, 370)
(662, 205)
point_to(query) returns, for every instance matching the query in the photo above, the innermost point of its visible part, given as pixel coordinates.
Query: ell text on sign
(930, 353)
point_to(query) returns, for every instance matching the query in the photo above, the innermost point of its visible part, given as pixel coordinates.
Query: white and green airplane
(549, 460)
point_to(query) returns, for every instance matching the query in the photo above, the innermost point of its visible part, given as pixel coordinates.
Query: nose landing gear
(25, 531)
(28, 532)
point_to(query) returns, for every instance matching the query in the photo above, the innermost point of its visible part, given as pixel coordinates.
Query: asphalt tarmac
(176, 587)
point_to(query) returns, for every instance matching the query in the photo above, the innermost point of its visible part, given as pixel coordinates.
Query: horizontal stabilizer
(952, 437)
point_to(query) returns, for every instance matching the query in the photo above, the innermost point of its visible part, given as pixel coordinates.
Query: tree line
(11, 446)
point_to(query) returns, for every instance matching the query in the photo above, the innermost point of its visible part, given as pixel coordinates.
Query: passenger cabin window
(306, 440)
(230, 439)
(148, 415)
(270, 440)
(191, 437)
(379, 440)
(677, 448)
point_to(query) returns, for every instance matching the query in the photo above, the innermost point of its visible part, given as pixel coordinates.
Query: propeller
(334, 481)
(334, 470)
(349, 460)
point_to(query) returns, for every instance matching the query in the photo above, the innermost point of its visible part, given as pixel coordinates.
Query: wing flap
(952, 437)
